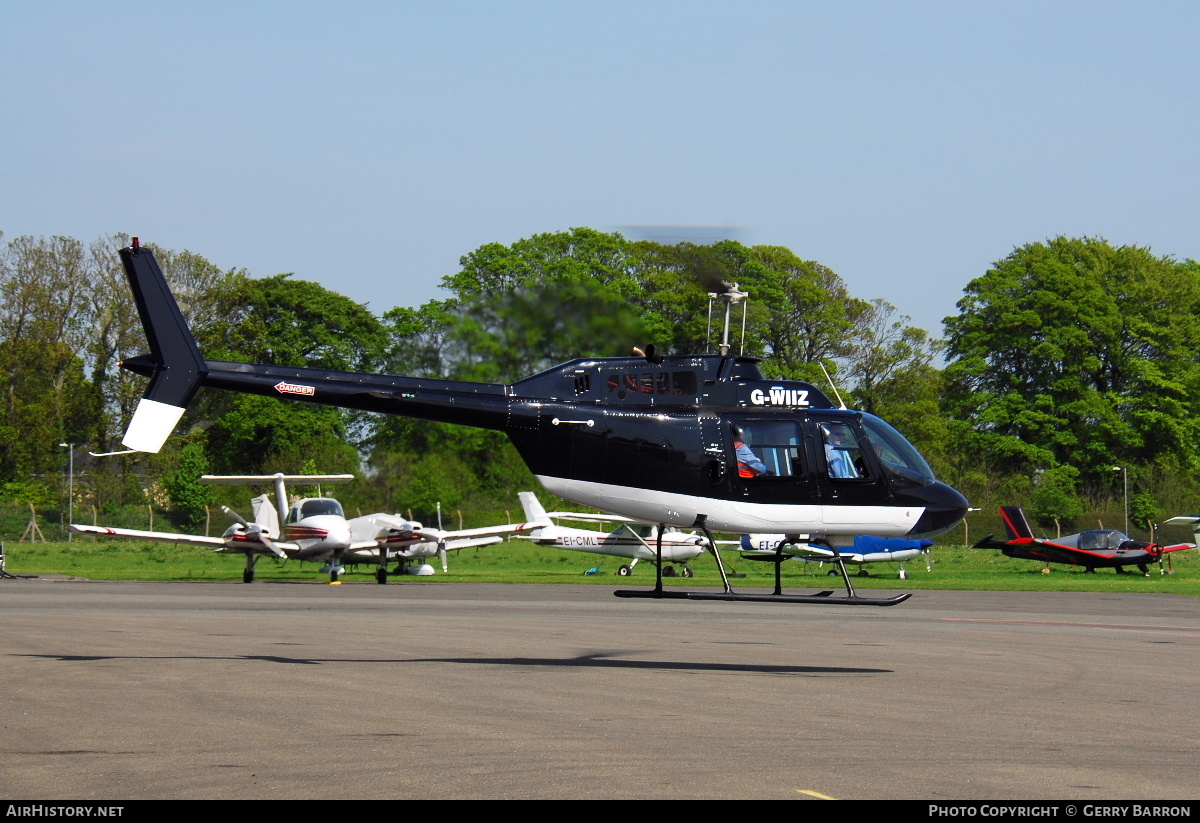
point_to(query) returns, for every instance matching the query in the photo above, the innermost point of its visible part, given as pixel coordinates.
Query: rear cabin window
(768, 449)
(646, 383)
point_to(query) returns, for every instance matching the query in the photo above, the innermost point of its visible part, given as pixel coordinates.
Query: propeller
(255, 529)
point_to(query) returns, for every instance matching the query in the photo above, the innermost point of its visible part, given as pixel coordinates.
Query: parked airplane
(1092, 549)
(866, 549)
(316, 529)
(630, 539)
(657, 439)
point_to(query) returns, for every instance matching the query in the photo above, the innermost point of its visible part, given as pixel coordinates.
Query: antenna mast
(730, 296)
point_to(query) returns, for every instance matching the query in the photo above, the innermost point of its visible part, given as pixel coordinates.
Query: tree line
(1067, 358)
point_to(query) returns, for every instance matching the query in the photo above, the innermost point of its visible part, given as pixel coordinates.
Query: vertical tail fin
(279, 479)
(1015, 522)
(265, 515)
(535, 512)
(175, 365)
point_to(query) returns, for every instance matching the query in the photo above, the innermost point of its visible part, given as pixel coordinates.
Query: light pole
(70, 447)
(1125, 477)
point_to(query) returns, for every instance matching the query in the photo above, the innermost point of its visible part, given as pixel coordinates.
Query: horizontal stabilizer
(255, 479)
(151, 425)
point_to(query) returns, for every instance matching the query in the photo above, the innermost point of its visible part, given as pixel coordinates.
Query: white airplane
(316, 528)
(866, 549)
(633, 539)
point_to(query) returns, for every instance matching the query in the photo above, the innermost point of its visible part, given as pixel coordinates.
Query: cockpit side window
(843, 452)
(767, 449)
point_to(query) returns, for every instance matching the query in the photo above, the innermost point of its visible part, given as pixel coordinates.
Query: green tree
(1076, 352)
(1145, 512)
(45, 398)
(188, 495)
(263, 435)
(1055, 498)
(286, 322)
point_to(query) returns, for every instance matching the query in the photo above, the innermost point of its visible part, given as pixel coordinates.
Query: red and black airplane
(1092, 549)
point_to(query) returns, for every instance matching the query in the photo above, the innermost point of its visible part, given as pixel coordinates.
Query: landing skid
(821, 598)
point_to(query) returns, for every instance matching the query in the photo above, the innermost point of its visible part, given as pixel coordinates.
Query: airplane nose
(945, 509)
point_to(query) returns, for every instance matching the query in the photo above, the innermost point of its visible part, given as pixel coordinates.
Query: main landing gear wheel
(625, 571)
(381, 575)
(248, 576)
(687, 572)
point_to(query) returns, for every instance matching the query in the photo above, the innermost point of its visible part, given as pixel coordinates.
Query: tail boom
(177, 370)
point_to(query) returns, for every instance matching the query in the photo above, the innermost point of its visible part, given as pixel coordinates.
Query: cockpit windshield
(903, 465)
(314, 506)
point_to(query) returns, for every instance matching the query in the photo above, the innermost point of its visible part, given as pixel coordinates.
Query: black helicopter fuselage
(654, 439)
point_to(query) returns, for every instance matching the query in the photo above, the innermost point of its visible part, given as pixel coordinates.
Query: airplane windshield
(319, 505)
(902, 464)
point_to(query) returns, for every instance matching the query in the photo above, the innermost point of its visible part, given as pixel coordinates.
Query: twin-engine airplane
(316, 529)
(1092, 549)
(629, 540)
(691, 441)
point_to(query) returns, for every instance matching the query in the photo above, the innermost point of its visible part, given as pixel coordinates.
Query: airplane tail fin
(535, 512)
(279, 479)
(174, 365)
(1015, 522)
(265, 514)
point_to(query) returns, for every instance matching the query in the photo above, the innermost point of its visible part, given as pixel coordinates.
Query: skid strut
(822, 598)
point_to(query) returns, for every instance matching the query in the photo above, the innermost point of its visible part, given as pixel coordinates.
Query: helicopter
(650, 437)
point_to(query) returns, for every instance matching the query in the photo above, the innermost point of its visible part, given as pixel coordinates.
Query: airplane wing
(495, 531)
(469, 542)
(595, 518)
(398, 535)
(237, 543)
(1186, 520)
(134, 534)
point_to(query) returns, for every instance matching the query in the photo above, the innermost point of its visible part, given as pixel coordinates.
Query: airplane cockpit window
(843, 453)
(1106, 539)
(315, 506)
(767, 449)
(902, 464)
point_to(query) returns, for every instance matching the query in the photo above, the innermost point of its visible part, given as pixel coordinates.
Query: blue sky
(367, 146)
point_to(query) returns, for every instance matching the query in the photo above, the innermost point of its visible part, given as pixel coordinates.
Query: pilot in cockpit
(839, 444)
(748, 463)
